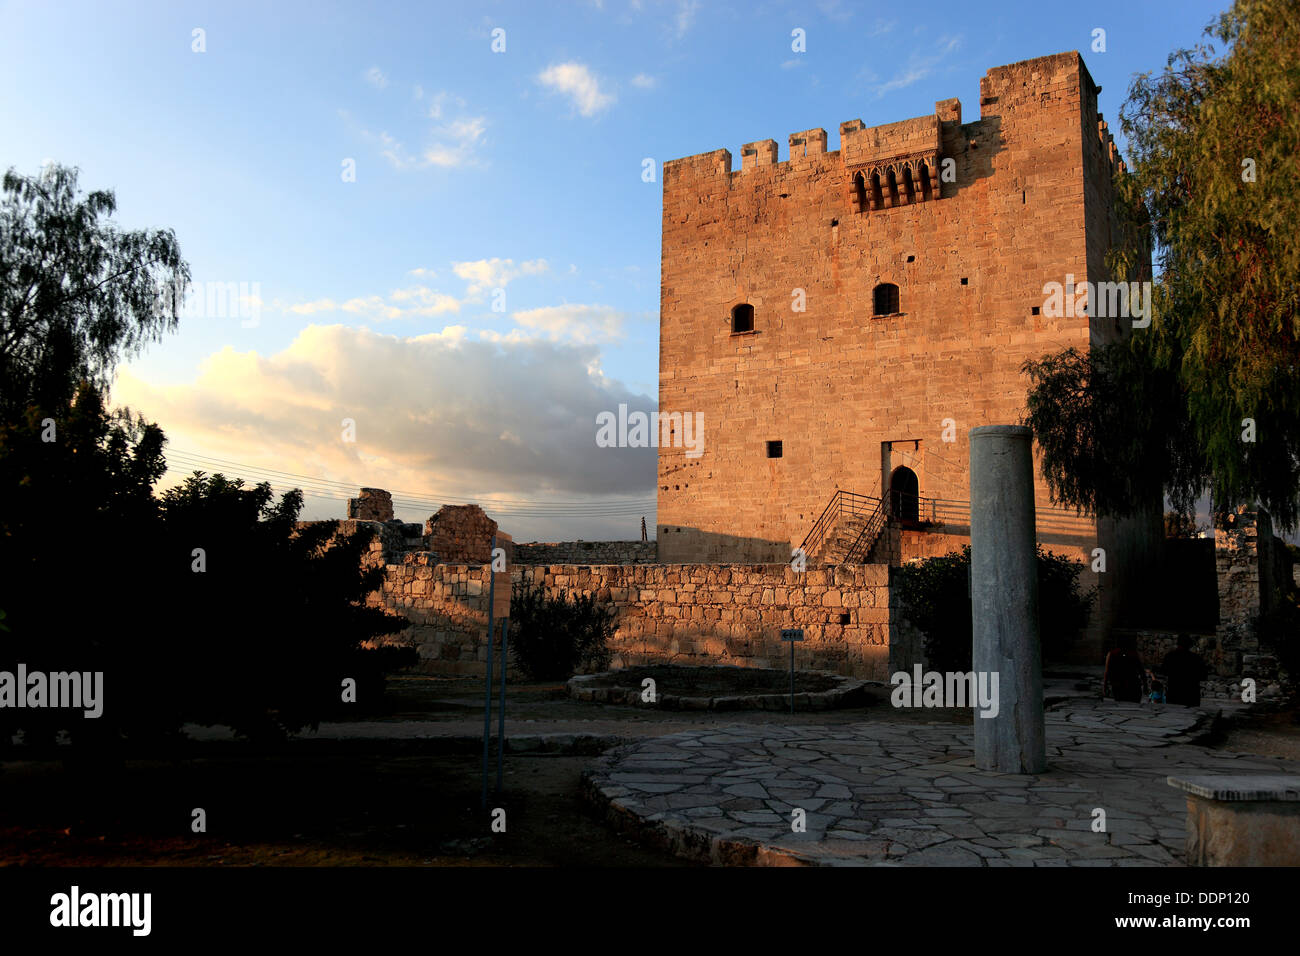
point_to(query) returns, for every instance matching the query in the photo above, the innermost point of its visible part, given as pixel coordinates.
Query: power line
(434, 505)
(194, 456)
(334, 495)
(530, 516)
(604, 506)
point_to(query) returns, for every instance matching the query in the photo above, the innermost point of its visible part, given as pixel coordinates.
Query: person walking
(1184, 670)
(1123, 676)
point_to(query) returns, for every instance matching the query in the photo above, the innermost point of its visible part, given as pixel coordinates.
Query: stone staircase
(847, 531)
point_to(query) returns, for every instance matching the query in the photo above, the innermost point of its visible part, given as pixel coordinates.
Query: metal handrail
(853, 504)
(923, 505)
(841, 503)
(870, 533)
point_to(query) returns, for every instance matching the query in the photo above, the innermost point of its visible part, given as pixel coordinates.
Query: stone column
(1004, 599)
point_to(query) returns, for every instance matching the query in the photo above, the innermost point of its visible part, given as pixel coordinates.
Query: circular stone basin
(679, 687)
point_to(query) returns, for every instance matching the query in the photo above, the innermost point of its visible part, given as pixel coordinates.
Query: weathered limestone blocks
(698, 614)
(923, 205)
(1246, 558)
(1242, 820)
(587, 552)
(375, 504)
(389, 541)
(463, 533)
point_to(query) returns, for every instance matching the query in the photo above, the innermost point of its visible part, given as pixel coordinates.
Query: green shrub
(935, 595)
(552, 638)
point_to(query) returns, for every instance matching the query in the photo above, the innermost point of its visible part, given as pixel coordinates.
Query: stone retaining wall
(587, 552)
(1250, 563)
(688, 614)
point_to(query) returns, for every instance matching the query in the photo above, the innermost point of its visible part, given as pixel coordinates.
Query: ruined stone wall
(698, 614)
(587, 552)
(391, 538)
(1244, 558)
(461, 534)
(374, 504)
(1223, 681)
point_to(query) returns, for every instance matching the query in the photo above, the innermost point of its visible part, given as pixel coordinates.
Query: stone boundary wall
(1223, 681)
(587, 552)
(391, 538)
(686, 614)
(1248, 565)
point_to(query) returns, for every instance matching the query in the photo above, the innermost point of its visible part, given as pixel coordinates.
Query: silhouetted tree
(99, 574)
(76, 293)
(264, 621)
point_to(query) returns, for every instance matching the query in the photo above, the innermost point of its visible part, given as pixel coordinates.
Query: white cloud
(370, 307)
(424, 420)
(578, 324)
(407, 303)
(882, 26)
(450, 145)
(644, 81)
(439, 102)
(375, 77)
(578, 83)
(424, 301)
(686, 10)
(454, 142)
(485, 274)
(919, 67)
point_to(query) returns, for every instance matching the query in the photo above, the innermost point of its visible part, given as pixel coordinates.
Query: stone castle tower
(842, 319)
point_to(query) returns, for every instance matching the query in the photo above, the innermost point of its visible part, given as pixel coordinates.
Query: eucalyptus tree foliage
(1208, 396)
(77, 293)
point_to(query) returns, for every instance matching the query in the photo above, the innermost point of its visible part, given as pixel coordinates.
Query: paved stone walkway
(880, 793)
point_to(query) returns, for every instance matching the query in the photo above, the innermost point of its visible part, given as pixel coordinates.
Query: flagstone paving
(881, 793)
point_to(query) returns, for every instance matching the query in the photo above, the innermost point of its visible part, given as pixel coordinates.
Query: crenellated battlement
(1108, 147)
(899, 163)
(810, 142)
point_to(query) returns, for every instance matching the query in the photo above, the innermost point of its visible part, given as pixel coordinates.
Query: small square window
(964, 280)
(774, 449)
(1034, 310)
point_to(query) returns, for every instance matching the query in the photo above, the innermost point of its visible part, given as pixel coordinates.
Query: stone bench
(1242, 819)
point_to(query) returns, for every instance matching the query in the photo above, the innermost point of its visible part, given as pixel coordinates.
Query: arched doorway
(904, 492)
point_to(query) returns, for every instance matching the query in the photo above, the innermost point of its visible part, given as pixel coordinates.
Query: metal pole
(501, 711)
(487, 683)
(792, 677)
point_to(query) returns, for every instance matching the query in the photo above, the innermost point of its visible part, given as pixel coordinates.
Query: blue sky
(475, 171)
